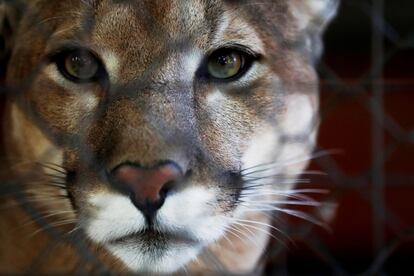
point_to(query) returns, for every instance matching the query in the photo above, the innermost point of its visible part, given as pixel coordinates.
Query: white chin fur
(190, 211)
(168, 260)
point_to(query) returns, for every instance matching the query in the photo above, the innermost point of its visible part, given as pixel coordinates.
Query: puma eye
(78, 65)
(227, 63)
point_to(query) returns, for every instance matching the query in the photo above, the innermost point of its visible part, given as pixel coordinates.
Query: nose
(148, 187)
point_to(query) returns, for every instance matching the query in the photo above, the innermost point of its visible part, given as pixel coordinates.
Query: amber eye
(79, 65)
(226, 63)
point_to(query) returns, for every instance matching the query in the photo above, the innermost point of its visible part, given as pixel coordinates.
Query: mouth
(154, 251)
(155, 237)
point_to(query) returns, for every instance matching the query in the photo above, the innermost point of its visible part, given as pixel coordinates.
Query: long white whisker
(283, 176)
(292, 161)
(246, 235)
(246, 226)
(228, 230)
(271, 182)
(258, 223)
(255, 196)
(283, 202)
(293, 194)
(293, 213)
(285, 192)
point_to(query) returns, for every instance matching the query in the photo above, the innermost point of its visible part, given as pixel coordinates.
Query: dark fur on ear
(10, 14)
(312, 18)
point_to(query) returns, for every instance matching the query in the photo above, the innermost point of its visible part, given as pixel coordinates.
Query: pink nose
(148, 186)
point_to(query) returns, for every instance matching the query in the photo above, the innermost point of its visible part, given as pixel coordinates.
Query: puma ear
(313, 14)
(10, 14)
(312, 17)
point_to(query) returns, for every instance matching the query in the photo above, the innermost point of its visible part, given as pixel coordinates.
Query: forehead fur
(175, 16)
(161, 22)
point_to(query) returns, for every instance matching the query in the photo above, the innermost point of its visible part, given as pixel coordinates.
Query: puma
(159, 132)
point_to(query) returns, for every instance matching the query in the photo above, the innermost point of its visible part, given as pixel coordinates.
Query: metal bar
(377, 132)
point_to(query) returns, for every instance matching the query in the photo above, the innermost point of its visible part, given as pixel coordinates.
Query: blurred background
(367, 83)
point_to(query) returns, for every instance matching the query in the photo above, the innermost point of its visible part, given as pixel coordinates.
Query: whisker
(246, 226)
(252, 186)
(244, 234)
(43, 192)
(56, 176)
(228, 239)
(299, 198)
(298, 192)
(276, 180)
(71, 232)
(233, 220)
(282, 176)
(296, 213)
(43, 215)
(53, 225)
(284, 202)
(38, 201)
(19, 188)
(256, 222)
(233, 232)
(56, 184)
(48, 166)
(273, 165)
(56, 165)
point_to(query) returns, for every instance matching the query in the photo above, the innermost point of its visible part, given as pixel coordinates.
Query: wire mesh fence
(368, 90)
(365, 113)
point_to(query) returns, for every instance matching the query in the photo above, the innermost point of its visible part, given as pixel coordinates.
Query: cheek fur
(300, 117)
(261, 148)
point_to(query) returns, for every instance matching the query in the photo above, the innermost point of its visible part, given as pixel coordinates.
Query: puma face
(171, 120)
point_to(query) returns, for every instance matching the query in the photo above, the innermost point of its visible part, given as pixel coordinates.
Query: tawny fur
(150, 121)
